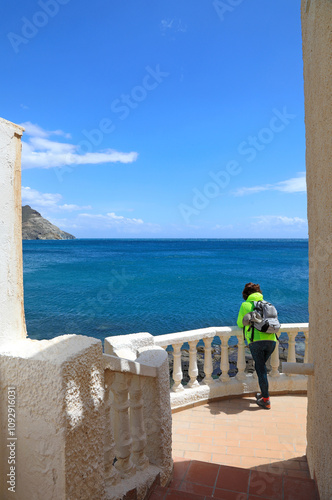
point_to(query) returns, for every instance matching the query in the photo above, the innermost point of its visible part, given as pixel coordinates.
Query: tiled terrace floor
(234, 450)
(239, 433)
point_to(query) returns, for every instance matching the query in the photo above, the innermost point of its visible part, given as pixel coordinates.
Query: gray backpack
(264, 318)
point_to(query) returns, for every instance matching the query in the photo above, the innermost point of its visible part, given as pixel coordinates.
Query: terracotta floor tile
(266, 485)
(298, 473)
(188, 446)
(202, 473)
(246, 432)
(198, 455)
(273, 454)
(303, 465)
(290, 439)
(226, 459)
(175, 484)
(261, 436)
(197, 489)
(254, 497)
(216, 449)
(186, 431)
(232, 450)
(180, 424)
(207, 427)
(279, 446)
(180, 468)
(296, 488)
(219, 434)
(229, 495)
(179, 453)
(232, 478)
(300, 448)
(250, 462)
(201, 439)
(176, 438)
(267, 468)
(178, 459)
(228, 442)
(280, 468)
(289, 454)
(158, 493)
(181, 495)
(260, 445)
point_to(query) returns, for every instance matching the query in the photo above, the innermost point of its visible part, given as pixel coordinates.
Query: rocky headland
(35, 227)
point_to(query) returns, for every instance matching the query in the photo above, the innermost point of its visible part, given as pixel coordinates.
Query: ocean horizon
(104, 287)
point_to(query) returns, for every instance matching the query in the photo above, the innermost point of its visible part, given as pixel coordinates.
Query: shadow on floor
(205, 481)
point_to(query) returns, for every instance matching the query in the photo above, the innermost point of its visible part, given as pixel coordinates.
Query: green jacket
(247, 307)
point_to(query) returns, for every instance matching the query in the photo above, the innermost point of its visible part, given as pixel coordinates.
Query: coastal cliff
(35, 227)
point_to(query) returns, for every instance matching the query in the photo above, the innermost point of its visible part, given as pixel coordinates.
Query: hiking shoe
(264, 404)
(258, 395)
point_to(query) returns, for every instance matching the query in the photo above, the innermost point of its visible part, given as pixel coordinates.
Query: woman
(261, 345)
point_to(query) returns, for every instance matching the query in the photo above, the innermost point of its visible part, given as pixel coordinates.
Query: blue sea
(116, 287)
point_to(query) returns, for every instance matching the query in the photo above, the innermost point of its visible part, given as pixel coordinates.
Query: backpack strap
(252, 332)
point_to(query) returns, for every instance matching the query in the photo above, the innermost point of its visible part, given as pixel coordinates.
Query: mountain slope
(35, 227)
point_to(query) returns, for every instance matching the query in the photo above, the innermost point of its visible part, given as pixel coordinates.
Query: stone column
(12, 322)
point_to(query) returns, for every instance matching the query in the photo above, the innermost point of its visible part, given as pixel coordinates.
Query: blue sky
(150, 118)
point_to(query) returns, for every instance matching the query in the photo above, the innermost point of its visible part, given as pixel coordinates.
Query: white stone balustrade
(241, 359)
(138, 415)
(243, 382)
(224, 358)
(137, 423)
(177, 369)
(122, 431)
(193, 369)
(208, 365)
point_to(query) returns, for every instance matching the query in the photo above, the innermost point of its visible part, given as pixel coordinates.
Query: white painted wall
(12, 322)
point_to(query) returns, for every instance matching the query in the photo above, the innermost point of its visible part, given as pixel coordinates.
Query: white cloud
(34, 198)
(111, 219)
(72, 207)
(35, 130)
(49, 201)
(106, 225)
(42, 152)
(279, 220)
(293, 185)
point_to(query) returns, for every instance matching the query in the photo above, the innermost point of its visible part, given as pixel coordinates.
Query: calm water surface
(114, 287)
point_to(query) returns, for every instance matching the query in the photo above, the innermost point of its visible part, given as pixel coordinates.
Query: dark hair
(250, 288)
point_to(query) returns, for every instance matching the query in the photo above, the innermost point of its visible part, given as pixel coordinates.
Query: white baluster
(208, 365)
(306, 347)
(241, 359)
(137, 423)
(224, 361)
(275, 362)
(193, 370)
(122, 436)
(291, 358)
(177, 369)
(112, 476)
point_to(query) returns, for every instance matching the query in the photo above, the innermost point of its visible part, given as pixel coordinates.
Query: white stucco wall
(12, 323)
(317, 58)
(59, 411)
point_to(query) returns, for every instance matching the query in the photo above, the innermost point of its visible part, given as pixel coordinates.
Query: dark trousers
(261, 351)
